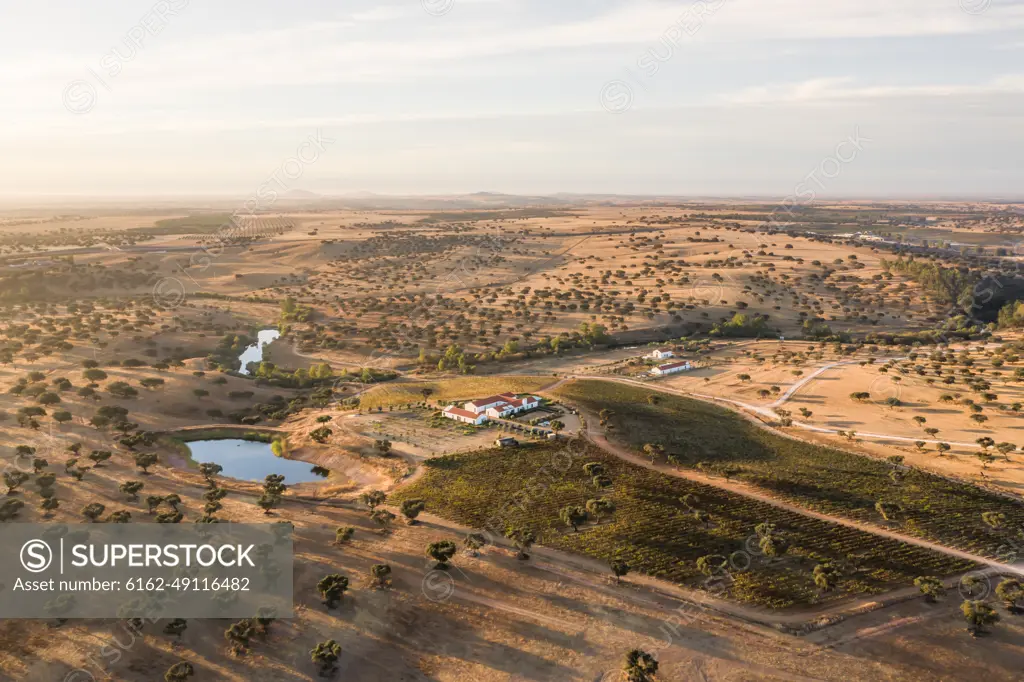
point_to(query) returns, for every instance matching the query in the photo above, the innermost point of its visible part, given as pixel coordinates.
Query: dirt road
(596, 436)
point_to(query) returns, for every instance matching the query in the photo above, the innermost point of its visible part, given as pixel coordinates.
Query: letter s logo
(36, 556)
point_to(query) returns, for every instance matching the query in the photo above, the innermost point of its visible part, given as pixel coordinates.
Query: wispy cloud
(507, 78)
(392, 43)
(820, 90)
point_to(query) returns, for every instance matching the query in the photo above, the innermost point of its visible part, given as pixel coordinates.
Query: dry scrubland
(898, 397)
(708, 438)
(657, 533)
(412, 306)
(464, 388)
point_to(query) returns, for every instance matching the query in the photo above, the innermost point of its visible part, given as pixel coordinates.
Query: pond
(254, 353)
(249, 460)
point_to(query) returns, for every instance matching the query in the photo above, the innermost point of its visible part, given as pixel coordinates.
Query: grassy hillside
(698, 434)
(461, 388)
(658, 534)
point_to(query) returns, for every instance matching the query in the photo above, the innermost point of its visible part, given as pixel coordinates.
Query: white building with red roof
(495, 407)
(461, 415)
(513, 406)
(482, 405)
(672, 368)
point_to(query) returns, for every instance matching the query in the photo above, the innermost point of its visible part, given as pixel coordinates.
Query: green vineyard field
(824, 479)
(656, 533)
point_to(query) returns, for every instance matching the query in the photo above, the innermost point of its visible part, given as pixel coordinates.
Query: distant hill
(300, 194)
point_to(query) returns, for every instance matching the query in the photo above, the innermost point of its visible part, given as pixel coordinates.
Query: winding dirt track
(598, 438)
(769, 411)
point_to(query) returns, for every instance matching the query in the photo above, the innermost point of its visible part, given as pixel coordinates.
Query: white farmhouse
(461, 415)
(660, 354)
(513, 406)
(482, 405)
(496, 407)
(672, 368)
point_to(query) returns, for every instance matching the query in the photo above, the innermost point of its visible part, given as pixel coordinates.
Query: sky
(835, 98)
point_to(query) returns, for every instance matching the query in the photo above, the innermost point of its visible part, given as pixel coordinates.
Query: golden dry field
(123, 334)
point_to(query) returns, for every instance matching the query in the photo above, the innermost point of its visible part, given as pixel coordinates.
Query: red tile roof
(502, 398)
(673, 365)
(458, 411)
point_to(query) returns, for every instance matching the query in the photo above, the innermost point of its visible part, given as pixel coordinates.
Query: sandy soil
(827, 396)
(491, 618)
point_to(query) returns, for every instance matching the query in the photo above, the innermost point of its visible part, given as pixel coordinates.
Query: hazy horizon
(44, 199)
(722, 98)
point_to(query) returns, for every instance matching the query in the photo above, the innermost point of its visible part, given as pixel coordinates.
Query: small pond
(254, 353)
(248, 460)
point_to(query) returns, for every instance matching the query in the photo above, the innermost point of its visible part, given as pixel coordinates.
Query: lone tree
(144, 460)
(411, 509)
(179, 672)
(176, 627)
(274, 484)
(93, 511)
(273, 488)
(13, 479)
(522, 539)
(239, 635)
(381, 574)
(131, 489)
(332, 587)
(49, 505)
(325, 655)
(573, 516)
(322, 434)
(100, 456)
(373, 499)
(343, 534)
(264, 617)
(383, 518)
(1005, 449)
(978, 615)
(268, 501)
(826, 577)
(441, 552)
(619, 569)
(931, 587)
(640, 666)
(1010, 591)
(600, 508)
(654, 451)
(993, 520)
(9, 509)
(209, 470)
(154, 501)
(170, 517)
(772, 545)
